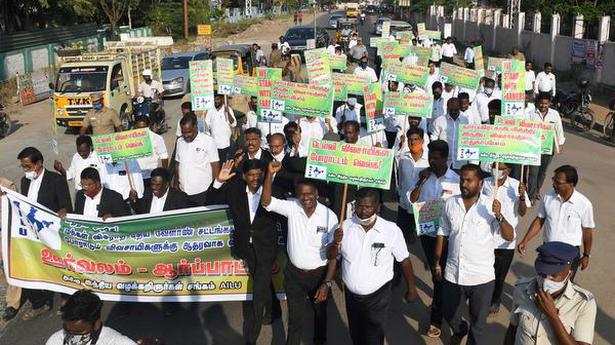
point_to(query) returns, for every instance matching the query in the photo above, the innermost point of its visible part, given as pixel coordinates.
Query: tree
(114, 9)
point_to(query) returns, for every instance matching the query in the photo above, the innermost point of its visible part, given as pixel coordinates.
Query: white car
(333, 20)
(378, 25)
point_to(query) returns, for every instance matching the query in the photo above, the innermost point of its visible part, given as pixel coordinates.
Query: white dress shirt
(343, 112)
(313, 129)
(195, 160)
(481, 103)
(443, 187)
(157, 205)
(445, 128)
(367, 256)
(77, 164)
(545, 83)
(218, 126)
(468, 57)
(90, 207)
(408, 176)
(147, 164)
(373, 138)
(530, 78)
(254, 200)
(331, 49)
(108, 336)
(449, 50)
(368, 73)
(527, 112)
(471, 241)
(432, 78)
(508, 196)
(35, 186)
(150, 90)
(472, 115)
(438, 110)
(436, 52)
(308, 237)
(117, 178)
(448, 95)
(565, 220)
(552, 116)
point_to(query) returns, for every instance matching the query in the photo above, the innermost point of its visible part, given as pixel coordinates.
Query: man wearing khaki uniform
(103, 120)
(13, 293)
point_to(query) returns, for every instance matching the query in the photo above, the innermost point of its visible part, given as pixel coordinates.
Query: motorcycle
(152, 109)
(568, 103)
(582, 117)
(362, 18)
(5, 122)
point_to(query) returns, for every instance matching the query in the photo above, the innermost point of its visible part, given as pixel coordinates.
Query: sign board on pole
(264, 77)
(340, 162)
(203, 29)
(121, 146)
(386, 28)
(338, 62)
(479, 60)
(415, 75)
(201, 84)
(547, 135)
(499, 143)
(245, 85)
(301, 99)
(513, 88)
(428, 219)
(317, 66)
(345, 84)
(373, 107)
(408, 104)
(460, 76)
(225, 73)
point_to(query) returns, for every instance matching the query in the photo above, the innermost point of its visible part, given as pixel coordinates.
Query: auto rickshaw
(345, 29)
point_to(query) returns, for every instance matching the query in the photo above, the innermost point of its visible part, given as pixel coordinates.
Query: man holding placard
(481, 102)
(219, 120)
(446, 128)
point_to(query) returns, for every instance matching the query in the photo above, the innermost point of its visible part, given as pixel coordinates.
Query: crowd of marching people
(222, 156)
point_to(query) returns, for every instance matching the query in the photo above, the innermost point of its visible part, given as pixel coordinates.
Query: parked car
(371, 9)
(398, 26)
(297, 37)
(176, 73)
(378, 25)
(333, 20)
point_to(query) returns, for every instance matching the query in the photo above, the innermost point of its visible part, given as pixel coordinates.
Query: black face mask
(363, 64)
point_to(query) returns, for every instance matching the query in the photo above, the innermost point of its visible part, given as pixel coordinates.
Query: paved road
(222, 323)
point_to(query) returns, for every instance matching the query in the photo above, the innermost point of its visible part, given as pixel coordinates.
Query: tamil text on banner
(408, 104)
(423, 54)
(317, 66)
(495, 64)
(547, 135)
(264, 77)
(225, 73)
(428, 219)
(375, 42)
(404, 37)
(513, 85)
(201, 84)
(415, 75)
(460, 76)
(121, 146)
(499, 143)
(33, 87)
(388, 50)
(340, 162)
(245, 85)
(301, 99)
(171, 256)
(479, 59)
(345, 84)
(338, 62)
(372, 95)
(386, 28)
(431, 34)
(420, 28)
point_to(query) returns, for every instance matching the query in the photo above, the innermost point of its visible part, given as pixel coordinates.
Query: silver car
(176, 72)
(378, 25)
(333, 20)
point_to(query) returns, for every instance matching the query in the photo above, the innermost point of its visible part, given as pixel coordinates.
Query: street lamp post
(186, 19)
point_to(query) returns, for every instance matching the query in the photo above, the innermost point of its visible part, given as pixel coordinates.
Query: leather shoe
(9, 313)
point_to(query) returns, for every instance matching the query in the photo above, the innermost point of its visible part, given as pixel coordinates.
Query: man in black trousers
(50, 190)
(254, 237)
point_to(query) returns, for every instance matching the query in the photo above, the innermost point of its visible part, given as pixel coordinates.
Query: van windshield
(81, 79)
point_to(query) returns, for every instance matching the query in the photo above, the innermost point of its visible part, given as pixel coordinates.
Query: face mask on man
(366, 221)
(363, 64)
(499, 175)
(31, 175)
(351, 102)
(97, 106)
(81, 339)
(416, 148)
(488, 91)
(550, 286)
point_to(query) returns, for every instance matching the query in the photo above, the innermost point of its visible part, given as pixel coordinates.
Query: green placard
(374, 42)
(416, 75)
(121, 146)
(182, 255)
(301, 99)
(344, 84)
(495, 64)
(340, 162)
(479, 59)
(373, 107)
(499, 143)
(432, 34)
(264, 77)
(317, 66)
(460, 76)
(428, 219)
(246, 85)
(408, 104)
(404, 36)
(546, 136)
(338, 62)
(201, 84)
(225, 74)
(513, 85)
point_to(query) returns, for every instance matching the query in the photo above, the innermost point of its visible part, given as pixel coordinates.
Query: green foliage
(591, 10)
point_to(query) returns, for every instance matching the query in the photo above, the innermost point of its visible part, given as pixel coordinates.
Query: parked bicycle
(583, 118)
(609, 122)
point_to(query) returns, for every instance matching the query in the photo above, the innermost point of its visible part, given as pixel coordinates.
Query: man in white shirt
(468, 56)
(436, 52)
(449, 92)
(566, 216)
(85, 157)
(150, 88)
(545, 81)
(481, 102)
(314, 127)
(123, 177)
(358, 51)
(467, 111)
(159, 155)
(434, 183)
(537, 174)
(439, 107)
(82, 323)
(530, 78)
(349, 111)
(369, 245)
(197, 161)
(434, 76)
(470, 222)
(512, 196)
(365, 71)
(446, 128)
(448, 50)
(219, 121)
(308, 273)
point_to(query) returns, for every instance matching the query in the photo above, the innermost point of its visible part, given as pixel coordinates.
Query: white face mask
(499, 175)
(550, 286)
(31, 175)
(366, 221)
(488, 90)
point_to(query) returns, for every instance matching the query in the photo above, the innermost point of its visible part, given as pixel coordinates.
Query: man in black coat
(159, 196)
(95, 201)
(50, 190)
(252, 149)
(254, 237)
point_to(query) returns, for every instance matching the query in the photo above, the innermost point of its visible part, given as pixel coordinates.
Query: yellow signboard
(204, 29)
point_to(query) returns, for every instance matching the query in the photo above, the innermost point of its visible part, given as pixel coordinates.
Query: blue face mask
(97, 106)
(363, 64)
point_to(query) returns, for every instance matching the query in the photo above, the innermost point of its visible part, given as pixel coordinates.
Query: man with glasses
(566, 216)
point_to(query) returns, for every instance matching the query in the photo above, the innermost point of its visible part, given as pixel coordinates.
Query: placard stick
(343, 209)
(556, 140)
(496, 180)
(522, 176)
(132, 186)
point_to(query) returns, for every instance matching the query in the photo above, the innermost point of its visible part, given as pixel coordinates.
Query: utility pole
(186, 19)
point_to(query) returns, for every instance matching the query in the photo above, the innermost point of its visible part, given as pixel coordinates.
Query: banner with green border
(317, 66)
(264, 76)
(225, 74)
(513, 88)
(338, 62)
(460, 76)
(373, 107)
(301, 99)
(201, 84)
(547, 136)
(479, 59)
(344, 84)
(428, 219)
(122, 146)
(416, 75)
(246, 85)
(408, 104)
(499, 143)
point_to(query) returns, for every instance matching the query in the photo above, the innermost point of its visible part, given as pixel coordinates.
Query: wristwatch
(329, 284)
(586, 255)
(500, 219)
